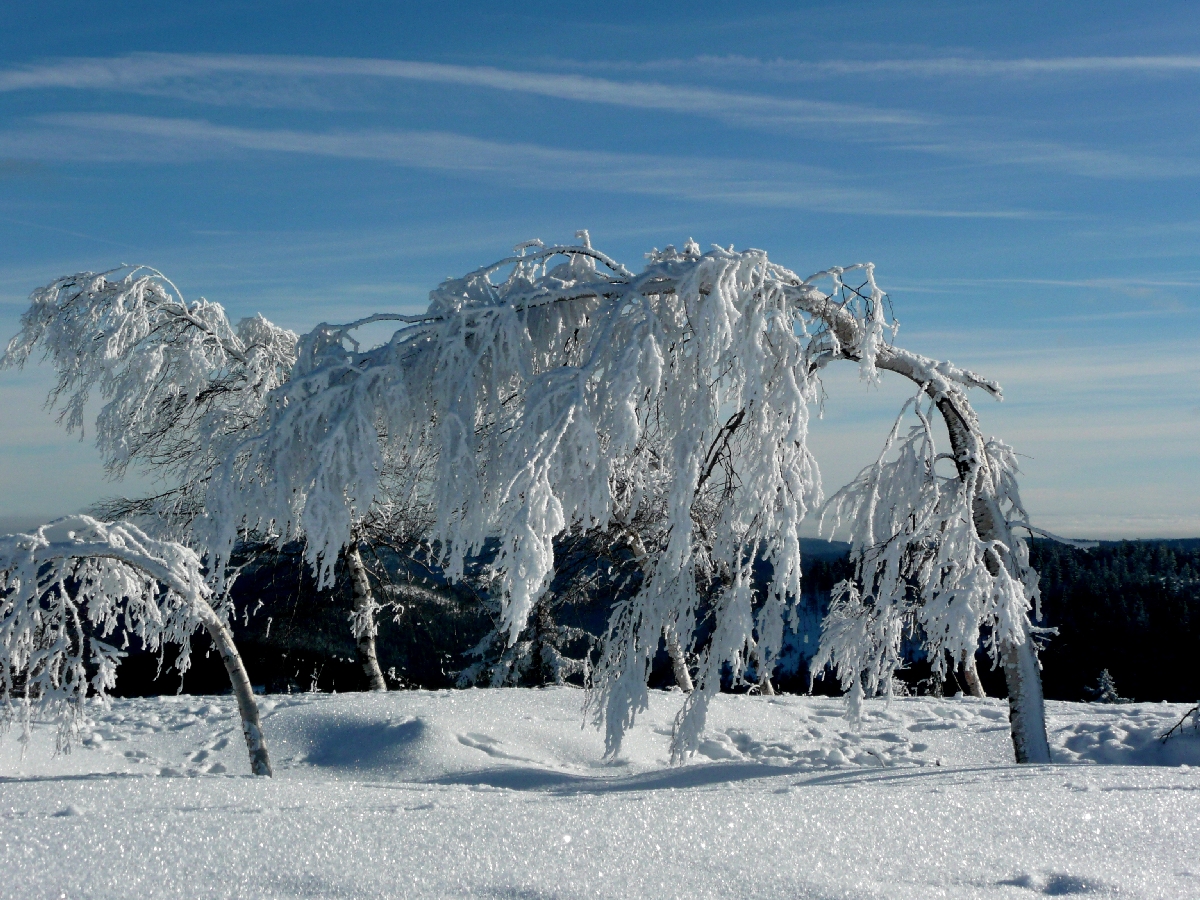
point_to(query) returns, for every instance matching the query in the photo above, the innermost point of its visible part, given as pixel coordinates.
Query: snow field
(502, 794)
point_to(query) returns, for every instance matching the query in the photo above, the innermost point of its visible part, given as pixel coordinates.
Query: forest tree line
(1129, 607)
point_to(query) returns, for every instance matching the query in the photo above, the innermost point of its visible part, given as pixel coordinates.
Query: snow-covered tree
(1105, 690)
(180, 384)
(557, 390)
(69, 587)
(934, 553)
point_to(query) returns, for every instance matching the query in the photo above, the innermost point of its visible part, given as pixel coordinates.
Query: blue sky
(1025, 177)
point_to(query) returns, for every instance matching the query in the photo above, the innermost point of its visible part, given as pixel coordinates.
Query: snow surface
(501, 793)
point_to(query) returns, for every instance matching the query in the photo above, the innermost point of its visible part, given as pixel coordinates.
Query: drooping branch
(179, 381)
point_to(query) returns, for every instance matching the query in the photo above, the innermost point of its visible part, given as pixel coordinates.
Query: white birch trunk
(256, 745)
(1027, 710)
(365, 627)
(679, 665)
(1022, 674)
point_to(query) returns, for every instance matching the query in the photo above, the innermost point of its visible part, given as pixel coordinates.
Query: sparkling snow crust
(501, 793)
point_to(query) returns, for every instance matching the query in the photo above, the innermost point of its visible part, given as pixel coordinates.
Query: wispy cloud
(326, 83)
(179, 74)
(1086, 283)
(44, 226)
(937, 67)
(1150, 293)
(1058, 157)
(126, 138)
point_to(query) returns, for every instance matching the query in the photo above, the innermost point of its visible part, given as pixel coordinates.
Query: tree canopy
(557, 391)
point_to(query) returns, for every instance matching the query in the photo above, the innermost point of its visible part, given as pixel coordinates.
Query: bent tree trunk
(1018, 658)
(260, 762)
(1027, 717)
(363, 618)
(1022, 674)
(1026, 707)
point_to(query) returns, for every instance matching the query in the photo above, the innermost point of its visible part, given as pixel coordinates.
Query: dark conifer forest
(1129, 607)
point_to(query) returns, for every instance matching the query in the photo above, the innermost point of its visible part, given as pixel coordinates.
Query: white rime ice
(182, 384)
(556, 390)
(921, 565)
(179, 384)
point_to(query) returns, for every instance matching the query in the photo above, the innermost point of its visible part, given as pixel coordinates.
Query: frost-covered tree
(557, 390)
(180, 384)
(1105, 690)
(71, 586)
(934, 553)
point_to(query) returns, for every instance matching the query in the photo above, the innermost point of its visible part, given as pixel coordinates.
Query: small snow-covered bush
(76, 581)
(68, 587)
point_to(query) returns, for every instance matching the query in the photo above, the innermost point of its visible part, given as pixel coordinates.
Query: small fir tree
(1105, 690)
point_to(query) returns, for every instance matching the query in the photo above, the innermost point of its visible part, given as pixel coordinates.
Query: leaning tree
(70, 587)
(533, 385)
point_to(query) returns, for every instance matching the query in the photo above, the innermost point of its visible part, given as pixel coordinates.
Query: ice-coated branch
(935, 556)
(70, 585)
